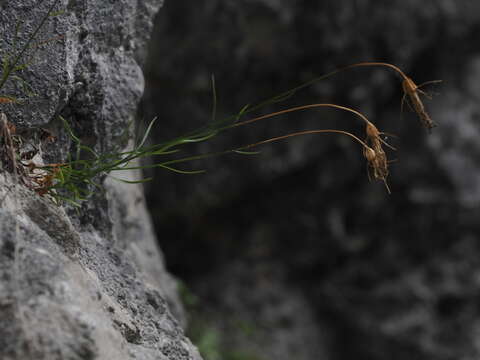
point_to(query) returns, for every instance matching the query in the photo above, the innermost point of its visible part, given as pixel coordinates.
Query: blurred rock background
(294, 254)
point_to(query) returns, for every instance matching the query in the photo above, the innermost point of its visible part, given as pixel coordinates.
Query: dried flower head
(375, 155)
(412, 90)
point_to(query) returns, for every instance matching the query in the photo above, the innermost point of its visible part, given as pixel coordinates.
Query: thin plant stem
(17, 58)
(305, 132)
(298, 108)
(288, 93)
(382, 64)
(249, 146)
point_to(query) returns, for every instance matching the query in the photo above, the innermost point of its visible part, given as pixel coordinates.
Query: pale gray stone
(89, 283)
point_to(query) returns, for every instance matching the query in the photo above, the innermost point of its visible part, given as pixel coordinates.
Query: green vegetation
(210, 341)
(73, 179)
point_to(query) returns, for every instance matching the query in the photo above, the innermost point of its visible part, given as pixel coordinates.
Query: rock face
(385, 277)
(84, 283)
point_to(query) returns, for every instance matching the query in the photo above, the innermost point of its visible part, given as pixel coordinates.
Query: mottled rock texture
(385, 276)
(89, 283)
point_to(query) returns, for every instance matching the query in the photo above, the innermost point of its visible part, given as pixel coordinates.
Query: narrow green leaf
(131, 181)
(214, 99)
(159, 152)
(147, 132)
(15, 36)
(5, 65)
(240, 114)
(89, 150)
(185, 172)
(246, 152)
(57, 13)
(71, 201)
(26, 87)
(69, 130)
(200, 138)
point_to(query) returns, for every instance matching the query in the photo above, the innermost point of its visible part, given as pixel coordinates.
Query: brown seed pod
(411, 90)
(375, 155)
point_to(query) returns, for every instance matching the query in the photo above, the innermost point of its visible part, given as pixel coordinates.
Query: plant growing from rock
(73, 179)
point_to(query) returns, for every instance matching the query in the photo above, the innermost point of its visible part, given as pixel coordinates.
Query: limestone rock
(88, 283)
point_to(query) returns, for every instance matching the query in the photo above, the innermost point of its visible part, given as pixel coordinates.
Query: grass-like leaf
(10, 63)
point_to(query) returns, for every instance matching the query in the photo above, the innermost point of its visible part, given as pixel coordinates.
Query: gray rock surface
(259, 314)
(87, 283)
